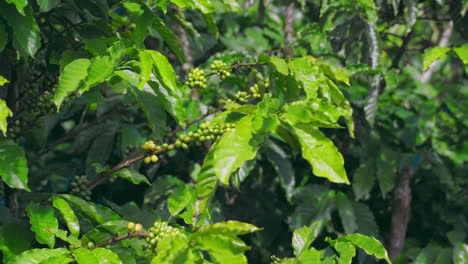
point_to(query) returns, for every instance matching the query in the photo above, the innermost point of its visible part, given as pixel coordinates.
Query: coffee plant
(215, 131)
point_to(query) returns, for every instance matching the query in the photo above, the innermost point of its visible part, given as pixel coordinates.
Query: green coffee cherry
(131, 226)
(79, 187)
(138, 228)
(158, 232)
(196, 78)
(221, 69)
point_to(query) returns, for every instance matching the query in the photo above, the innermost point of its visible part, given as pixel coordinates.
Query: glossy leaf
(84, 256)
(321, 153)
(106, 256)
(3, 80)
(233, 149)
(131, 175)
(63, 259)
(20, 4)
(179, 199)
(13, 165)
(224, 249)
(174, 249)
(95, 212)
(26, 37)
(70, 79)
(5, 112)
(34, 256)
(302, 238)
(310, 256)
(63, 235)
(68, 215)
(99, 69)
(42, 218)
(369, 244)
(433, 54)
(462, 53)
(346, 250)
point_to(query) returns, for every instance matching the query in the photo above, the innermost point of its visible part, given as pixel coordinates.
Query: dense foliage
(217, 131)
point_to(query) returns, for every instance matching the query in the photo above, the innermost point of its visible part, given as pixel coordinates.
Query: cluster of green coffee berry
(205, 132)
(79, 187)
(221, 69)
(158, 232)
(196, 78)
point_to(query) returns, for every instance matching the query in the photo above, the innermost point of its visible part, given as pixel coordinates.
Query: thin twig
(114, 240)
(131, 159)
(78, 131)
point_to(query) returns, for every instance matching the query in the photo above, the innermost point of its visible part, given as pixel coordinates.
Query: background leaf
(13, 165)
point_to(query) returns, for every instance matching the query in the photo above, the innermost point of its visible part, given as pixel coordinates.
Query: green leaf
(63, 259)
(99, 69)
(346, 250)
(280, 64)
(365, 220)
(369, 244)
(3, 42)
(20, 4)
(229, 228)
(153, 109)
(433, 54)
(146, 66)
(42, 218)
(106, 256)
(310, 256)
(95, 212)
(47, 5)
(173, 250)
(147, 100)
(321, 153)
(212, 26)
(68, 215)
(282, 165)
(170, 38)
(26, 37)
(224, 249)
(15, 237)
(205, 6)
(233, 149)
(13, 165)
(5, 112)
(346, 212)
(34, 256)
(143, 18)
(70, 79)
(134, 176)
(462, 52)
(83, 256)
(63, 235)
(179, 199)
(302, 238)
(167, 87)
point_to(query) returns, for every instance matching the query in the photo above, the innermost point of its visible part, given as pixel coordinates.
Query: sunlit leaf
(41, 219)
(433, 54)
(68, 215)
(13, 165)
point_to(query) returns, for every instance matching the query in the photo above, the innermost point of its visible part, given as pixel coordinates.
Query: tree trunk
(289, 30)
(401, 211)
